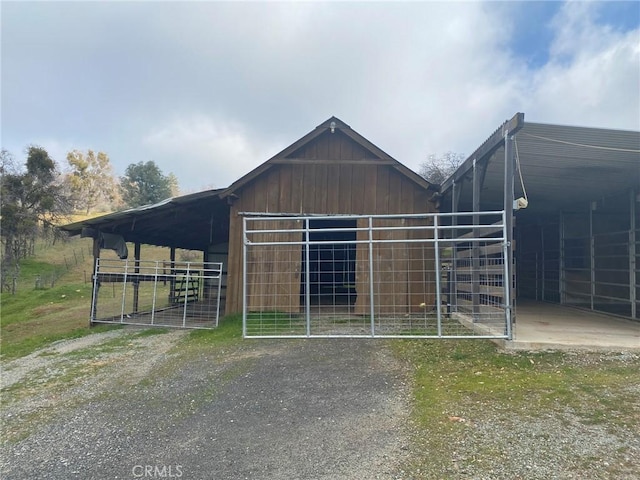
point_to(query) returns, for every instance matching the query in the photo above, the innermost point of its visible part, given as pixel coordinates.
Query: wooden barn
(331, 171)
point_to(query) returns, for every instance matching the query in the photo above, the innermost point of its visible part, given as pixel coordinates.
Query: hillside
(52, 297)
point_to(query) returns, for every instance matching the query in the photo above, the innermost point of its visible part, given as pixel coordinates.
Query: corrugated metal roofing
(562, 166)
(189, 221)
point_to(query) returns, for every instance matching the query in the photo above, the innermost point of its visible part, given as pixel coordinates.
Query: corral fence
(426, 275)
(156, 293)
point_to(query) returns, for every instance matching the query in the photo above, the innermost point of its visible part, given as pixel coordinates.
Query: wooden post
(206, 281)
(96, 281)
(172, 272)
(136, 281)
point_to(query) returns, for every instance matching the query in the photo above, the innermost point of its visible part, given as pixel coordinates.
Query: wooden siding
(303, 186)
(277, 269)
(336, 146)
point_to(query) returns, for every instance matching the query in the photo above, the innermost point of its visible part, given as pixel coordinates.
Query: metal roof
(190, 221)
(561, 166)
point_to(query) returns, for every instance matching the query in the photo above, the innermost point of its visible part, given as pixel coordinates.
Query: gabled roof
(333, 124)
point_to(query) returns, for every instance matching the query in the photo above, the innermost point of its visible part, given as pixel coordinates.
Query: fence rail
(158, 293)
(376, 276)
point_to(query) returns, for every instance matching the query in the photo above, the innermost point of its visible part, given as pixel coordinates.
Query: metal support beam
(488, 148)
(592, 259)
(633, 253)
(509, 169)
(453, 274)
(543, 267)
(479, 170)
(562, 284)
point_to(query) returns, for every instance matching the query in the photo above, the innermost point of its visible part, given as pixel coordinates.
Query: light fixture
(520, 203)
(332, 125)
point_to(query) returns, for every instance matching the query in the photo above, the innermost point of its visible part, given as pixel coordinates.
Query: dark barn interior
(332, 265)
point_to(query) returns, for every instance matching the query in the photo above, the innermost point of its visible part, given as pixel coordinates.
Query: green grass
(470, 379)
(31, 319)
(35, 317)
(229, 331)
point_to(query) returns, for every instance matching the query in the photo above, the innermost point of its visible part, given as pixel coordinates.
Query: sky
(210, 90)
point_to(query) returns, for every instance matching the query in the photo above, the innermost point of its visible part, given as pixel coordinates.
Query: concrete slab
(546, 326)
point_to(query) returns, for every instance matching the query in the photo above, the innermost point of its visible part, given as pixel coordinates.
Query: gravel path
(286, 409)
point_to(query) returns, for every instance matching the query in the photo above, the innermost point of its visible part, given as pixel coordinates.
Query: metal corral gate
(427, 275)
(156, 293)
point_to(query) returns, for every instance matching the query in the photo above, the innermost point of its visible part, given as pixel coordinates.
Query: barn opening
(332, 263)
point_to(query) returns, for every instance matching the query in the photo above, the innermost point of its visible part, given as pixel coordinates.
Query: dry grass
(60, 307)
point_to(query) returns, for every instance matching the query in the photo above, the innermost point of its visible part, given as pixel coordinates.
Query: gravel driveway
(282, 409)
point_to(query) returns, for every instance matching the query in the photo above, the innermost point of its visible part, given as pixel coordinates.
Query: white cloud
(209, 90)
(204, 151)
(592, 77)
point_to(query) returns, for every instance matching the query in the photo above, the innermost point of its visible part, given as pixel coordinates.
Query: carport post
(478, 179)
(453, 275)
(509, 169)
(562, 276)
(592, 258)
(633, 253)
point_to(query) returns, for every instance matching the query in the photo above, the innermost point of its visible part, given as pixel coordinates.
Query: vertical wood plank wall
(328, 176)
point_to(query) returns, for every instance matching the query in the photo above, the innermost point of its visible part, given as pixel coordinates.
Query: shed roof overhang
(191, 222)
(562, 168)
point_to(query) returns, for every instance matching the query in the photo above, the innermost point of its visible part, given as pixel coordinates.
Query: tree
(437, 169)
(173, 184)
(91, 180)
(143, 184)
(30, 201)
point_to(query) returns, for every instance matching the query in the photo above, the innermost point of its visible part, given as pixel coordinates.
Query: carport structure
(577, 242)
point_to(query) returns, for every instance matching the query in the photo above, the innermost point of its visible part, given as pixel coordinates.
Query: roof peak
(337, 123)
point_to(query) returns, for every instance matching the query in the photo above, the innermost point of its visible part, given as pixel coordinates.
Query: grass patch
(34, 317)
(229, 331)
(458, 383)
(29, 342)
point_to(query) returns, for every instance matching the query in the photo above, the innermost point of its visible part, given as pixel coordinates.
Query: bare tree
(438, 168)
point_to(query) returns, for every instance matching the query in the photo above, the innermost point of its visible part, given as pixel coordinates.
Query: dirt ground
(122, 405)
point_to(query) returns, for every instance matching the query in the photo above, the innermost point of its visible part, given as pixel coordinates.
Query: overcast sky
(209, 90)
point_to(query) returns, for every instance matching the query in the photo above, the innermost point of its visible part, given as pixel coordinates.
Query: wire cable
(597, 147)
(524, 190)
